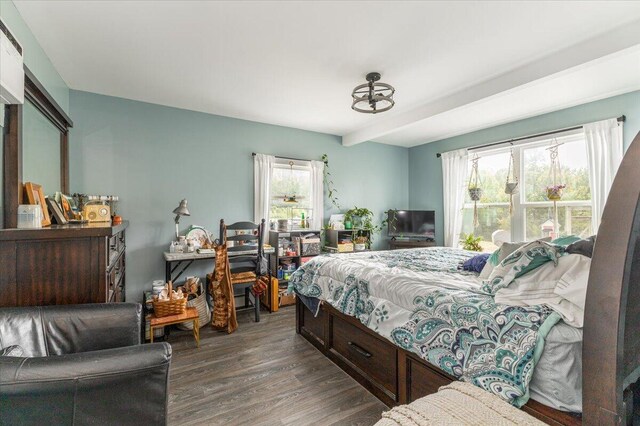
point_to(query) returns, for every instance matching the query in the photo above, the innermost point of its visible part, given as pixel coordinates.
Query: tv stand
(395, 244)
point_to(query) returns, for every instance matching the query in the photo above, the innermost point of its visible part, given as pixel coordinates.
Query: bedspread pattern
(463, 332)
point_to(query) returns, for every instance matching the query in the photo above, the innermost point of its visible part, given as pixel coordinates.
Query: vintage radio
(96, 213)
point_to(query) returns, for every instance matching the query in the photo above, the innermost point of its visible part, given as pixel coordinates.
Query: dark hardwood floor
(263, 374)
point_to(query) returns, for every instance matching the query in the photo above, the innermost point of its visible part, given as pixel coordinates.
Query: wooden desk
(191, 314)
(181, 258)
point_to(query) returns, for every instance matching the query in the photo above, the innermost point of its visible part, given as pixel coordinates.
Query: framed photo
(68, 204)
(34, 195)
(57, 213)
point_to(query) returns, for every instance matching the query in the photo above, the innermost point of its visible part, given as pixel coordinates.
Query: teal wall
(425, 169)
(38, 63)
(34, 57)
(152, 156)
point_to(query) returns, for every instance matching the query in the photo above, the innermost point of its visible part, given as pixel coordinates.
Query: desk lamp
(181, 210)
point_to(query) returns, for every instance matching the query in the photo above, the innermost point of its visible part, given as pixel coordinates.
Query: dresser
(63, 264)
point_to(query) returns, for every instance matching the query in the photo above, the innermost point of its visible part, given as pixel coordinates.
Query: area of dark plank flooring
(263, 374)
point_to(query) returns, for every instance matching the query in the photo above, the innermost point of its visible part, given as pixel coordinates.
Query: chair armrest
(112, 386)
(91, 327)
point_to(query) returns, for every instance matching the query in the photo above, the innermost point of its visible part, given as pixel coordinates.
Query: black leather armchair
(82, 364)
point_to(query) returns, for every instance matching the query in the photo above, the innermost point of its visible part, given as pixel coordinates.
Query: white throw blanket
(458, 404)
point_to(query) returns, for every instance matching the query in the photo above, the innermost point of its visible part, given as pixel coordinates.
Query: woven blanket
(459, 404)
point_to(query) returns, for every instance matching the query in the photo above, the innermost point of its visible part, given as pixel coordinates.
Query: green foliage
(390, 219)
(471, 242)
(534, 184)
(362, 220)
(328, 181)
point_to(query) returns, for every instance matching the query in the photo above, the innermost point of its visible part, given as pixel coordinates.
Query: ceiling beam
(587, 51)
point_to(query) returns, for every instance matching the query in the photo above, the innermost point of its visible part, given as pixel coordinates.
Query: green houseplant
(471, 242)
(361, 219)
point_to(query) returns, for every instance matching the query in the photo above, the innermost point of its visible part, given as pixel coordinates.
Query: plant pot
(348, 224)
(554, 194)
(475, 194)
(360, 247)
(510, 188)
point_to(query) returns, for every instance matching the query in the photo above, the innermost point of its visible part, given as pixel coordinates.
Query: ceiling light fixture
(373, 97)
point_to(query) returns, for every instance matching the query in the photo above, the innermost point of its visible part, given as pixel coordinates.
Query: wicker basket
(165, 308)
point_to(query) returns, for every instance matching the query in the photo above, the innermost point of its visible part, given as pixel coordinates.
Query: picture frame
(56, 211)
(35, 196)
(68, 206)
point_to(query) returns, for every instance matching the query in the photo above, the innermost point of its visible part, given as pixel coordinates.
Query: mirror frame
(35, 93)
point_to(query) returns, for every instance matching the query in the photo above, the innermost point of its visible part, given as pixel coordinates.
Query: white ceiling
(456, 66)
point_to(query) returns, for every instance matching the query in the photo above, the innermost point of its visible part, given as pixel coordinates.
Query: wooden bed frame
(611, 348)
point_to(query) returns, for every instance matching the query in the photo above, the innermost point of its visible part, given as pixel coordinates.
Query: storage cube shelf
(341, 241)
(298, 247)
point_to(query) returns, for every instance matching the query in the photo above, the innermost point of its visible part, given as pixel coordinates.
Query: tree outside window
(532, 211)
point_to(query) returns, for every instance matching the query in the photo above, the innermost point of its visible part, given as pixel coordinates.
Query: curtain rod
(253, 154)
(620, 119)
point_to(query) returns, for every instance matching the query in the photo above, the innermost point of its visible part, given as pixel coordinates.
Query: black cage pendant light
(373, 97)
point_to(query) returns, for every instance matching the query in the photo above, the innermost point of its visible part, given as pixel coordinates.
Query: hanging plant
(331, 190)
(553, 191)
(475, 191)
(511, 186)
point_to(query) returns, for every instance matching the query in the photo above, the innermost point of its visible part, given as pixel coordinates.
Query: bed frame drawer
(422, 380)
(372, 356)
(313, 328)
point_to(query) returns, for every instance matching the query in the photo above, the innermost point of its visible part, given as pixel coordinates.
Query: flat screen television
(412, 224)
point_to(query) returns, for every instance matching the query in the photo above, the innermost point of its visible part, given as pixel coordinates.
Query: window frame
(518, 219)
(283, 163)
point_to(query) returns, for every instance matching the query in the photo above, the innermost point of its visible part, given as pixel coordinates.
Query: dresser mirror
(41, 162)
(35, 139)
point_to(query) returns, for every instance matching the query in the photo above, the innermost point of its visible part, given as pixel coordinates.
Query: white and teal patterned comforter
(419, 300)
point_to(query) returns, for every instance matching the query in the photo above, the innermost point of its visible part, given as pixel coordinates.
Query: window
(574, 210)
(493, 207)
(533, 214)
(289, 180)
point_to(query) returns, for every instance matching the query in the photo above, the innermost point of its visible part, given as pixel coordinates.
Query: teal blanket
(421, 302)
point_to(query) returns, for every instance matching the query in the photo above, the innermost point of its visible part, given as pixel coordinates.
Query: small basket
(165, 308)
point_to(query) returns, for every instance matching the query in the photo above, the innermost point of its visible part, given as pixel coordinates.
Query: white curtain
(262, 172)
(604, 154)
(317, 194)
(454, 175)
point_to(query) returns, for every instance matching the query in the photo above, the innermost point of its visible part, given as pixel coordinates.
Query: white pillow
(563, 288)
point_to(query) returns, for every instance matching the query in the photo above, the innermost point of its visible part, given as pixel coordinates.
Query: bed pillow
(583, 247)
(491, 263)
(565, 241)
(522, 261)
(476, 263)
(507, 248)
(500, 254)
(562, 287)
(13, 350)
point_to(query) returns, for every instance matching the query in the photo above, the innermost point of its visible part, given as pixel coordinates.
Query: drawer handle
(360, 350)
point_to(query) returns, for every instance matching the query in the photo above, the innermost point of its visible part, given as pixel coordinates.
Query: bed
(374, 323)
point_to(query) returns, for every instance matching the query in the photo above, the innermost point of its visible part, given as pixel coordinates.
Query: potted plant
(471, 242)
(358, 217)
(361, 221)
(475, 193)
(554, 192)
(360, 243)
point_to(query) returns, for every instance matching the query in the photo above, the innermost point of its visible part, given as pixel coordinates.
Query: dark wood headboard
(611, 350)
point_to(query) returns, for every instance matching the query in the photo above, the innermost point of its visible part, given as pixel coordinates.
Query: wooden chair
(245, 259)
